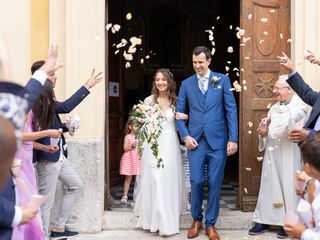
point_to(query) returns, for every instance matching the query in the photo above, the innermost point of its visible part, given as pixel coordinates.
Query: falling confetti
(210, 32)
(242, 70)
(259, 158)
(242, 44)
(219, 87)
(272, 11)
(249, 16)
(135, 41)
(245, 88)
(213, 43)
(244, 82)
(269, 105)
(265, 33)
(250, 124)
(244, 39)
(213, 50)
(240, 32)
(147, 56)
(116, 52)
(230, 27)
(237, 86)
(235, 69)
(250, 132)
(141, 60)
(261, 41)
(115, 28)
(248, 169)
(245, 190)
(227, 68)
(230, 49)
(232, 89)
(127, 56)
(229, 62)
(218, 18)
(128, 16)
(109, 25)
(132, 49)
(289, 40)
(211, 38)
(264, 20)
(127, 65)
(281, 35)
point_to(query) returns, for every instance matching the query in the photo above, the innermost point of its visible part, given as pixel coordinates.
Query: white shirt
(205, 80)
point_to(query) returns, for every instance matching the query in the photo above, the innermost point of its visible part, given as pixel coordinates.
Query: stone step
(144, 235)
(228, 220)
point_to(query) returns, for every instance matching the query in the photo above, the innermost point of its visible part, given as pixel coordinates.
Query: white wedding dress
(159, 202)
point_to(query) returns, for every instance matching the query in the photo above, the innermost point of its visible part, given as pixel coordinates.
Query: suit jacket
(61, 107)
(215, 114)
(310, 97)
(17, 101)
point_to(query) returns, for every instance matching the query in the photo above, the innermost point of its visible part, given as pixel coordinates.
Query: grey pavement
(145, 235)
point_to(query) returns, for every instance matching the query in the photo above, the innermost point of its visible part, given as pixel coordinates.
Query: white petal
(265, 33)
(213, 50)
(264, 20)
(230, 49)
(116, 27)
(211, 38)
(132, 49)
(244, 82)
(109, 25)
(141, 60)
(245, 88)
(269, 105)
(230, 27)
(229, 62)
(249, 132)
(209, 31)
(128, 16)
(249, 16)
(281, 35)
(272, 11)
(147, 56)
(245, 190)
(250, 124)
(248, 169)
(289, 40)
(127, 65)
(218, 17)
(227, 68)
(259, 158)
(235, 69)
(136, 41)
(116, 52)
(127, 56)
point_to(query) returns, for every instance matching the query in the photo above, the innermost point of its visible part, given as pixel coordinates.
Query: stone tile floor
(144, 235)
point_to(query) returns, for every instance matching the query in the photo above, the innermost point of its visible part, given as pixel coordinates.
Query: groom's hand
(190, 143)
(232, 148)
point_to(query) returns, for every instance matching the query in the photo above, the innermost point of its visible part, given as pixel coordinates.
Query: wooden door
(267, 22)
(115, 97)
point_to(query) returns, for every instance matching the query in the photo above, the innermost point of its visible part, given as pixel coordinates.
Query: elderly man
(281, 159)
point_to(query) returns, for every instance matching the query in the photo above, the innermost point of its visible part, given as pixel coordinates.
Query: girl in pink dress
(130, 164)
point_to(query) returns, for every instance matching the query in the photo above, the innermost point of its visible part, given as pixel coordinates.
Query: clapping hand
(93, 80)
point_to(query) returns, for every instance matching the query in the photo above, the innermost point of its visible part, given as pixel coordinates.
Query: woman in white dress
(159, 202)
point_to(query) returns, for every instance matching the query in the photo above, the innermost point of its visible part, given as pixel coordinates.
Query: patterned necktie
(202, 85)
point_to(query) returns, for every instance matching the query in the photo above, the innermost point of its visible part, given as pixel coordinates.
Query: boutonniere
(214, 80)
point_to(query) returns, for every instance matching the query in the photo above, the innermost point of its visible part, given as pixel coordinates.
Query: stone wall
(88, 159)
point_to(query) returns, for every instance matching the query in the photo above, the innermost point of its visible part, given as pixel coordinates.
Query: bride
(159, 202)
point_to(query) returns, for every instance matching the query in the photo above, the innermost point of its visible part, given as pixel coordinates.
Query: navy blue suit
(12, 95)
(212, 123)
(60, 107)
(310, 97)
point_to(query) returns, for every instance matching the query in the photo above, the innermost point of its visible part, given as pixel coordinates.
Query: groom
(211, 135)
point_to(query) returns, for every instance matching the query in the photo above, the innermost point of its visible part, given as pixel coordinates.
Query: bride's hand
(190, 143)
(181, 116)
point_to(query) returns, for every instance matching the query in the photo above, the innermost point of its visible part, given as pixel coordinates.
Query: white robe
(281, 159)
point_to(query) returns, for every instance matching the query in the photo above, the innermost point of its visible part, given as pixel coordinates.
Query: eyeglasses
(278, 88)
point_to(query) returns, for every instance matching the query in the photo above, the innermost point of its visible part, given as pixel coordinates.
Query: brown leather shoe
(194, 229)
(212, 233)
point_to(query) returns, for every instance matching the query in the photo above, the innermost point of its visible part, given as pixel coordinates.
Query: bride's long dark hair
(44, 108)
(171, 93)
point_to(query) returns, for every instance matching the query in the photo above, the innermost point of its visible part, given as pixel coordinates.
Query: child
(130, 163)
(310, 151)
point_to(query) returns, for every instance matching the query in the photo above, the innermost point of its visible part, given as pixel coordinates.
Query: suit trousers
(215, 160)
(48, 174)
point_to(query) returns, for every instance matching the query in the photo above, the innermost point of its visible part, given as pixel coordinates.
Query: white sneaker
(124, 200)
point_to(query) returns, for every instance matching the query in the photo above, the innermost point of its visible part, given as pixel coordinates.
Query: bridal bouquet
(147, 119)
